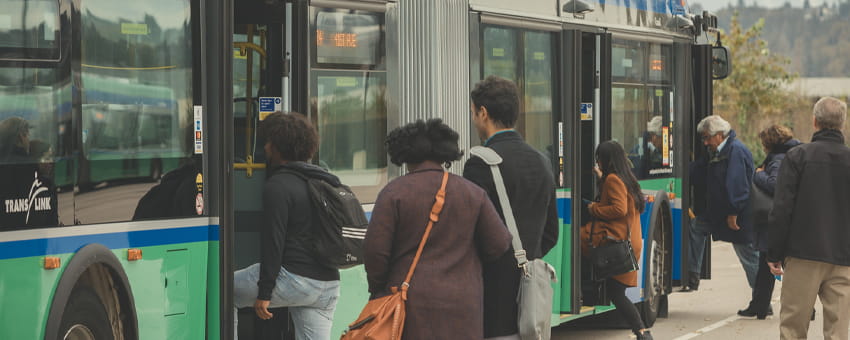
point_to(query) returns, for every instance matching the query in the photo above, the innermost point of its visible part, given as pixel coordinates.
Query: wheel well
(97, 267)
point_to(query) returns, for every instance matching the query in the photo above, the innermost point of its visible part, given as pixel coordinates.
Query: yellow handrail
(249, 166)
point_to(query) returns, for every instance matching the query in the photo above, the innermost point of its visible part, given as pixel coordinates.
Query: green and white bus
(131, 169)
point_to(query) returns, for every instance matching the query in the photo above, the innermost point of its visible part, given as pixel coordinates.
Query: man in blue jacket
(727, 173)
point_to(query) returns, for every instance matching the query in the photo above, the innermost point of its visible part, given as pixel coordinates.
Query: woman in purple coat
(445, 299)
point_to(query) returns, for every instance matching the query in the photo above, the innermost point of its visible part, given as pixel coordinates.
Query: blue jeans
(310, 302)
(749, 258)
(700, 231)
(747, 255)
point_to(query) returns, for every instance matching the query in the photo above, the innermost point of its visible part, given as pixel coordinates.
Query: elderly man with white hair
(810, 228)
(647, 155)
(726, 174)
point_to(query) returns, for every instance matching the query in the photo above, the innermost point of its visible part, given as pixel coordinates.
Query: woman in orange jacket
(617, 211)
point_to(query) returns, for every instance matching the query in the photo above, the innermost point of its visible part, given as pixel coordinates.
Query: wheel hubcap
(79, 332)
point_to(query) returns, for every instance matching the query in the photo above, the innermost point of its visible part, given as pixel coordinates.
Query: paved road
(709, 313)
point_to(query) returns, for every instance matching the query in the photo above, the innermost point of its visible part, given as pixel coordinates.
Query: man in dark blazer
(530, 185)
(810, 232)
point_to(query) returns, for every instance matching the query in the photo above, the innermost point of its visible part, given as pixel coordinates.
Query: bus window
(136, 94)
(525, 57)
(627, 61)
(34, 136)
(348, 100)
(29, 30)
(641, 105)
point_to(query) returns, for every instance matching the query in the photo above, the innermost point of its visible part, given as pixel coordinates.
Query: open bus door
(260, 60)
(587, 85)
(702, 107)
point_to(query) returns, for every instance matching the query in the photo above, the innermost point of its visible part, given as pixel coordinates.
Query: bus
(95, 91)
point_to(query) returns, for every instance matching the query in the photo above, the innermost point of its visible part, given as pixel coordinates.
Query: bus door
(261, 79)
(590, 120)
(702, 107)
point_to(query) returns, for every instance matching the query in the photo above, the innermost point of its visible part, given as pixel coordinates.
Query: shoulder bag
(534, 300)
(760, 205)
(612, 258)
(383, 318)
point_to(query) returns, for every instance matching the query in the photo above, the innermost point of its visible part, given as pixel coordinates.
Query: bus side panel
(26, 290)
(161, 298)
(565, 271)
(148, 277)
(555, 258)
(213, 289)
(353, 295)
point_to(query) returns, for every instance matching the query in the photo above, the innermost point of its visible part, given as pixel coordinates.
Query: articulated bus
(96, 92)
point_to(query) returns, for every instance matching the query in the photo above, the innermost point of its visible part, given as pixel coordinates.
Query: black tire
(85, 317)
(656, 275)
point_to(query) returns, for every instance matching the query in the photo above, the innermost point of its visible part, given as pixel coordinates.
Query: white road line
(716, 325)
(708, 328)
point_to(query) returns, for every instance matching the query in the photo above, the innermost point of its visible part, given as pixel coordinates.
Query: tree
(754, 95)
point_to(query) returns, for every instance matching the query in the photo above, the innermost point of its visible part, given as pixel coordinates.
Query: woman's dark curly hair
(291, 134)
(423, 141)
(774, 136)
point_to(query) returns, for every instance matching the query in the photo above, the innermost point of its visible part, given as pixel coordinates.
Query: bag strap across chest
(439, 200)
(491, 158)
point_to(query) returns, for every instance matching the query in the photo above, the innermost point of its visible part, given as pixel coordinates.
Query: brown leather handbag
(383, 318)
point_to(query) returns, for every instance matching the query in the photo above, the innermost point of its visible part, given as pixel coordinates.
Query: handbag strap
(493, 159)
(628, 228)
(440, 199)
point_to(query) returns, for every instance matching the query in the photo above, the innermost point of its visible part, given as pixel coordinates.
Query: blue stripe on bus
(132, 239)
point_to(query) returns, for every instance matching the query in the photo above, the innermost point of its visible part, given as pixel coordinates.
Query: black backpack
(338, 236)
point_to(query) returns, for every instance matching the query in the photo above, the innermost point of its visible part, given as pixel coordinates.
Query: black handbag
(613, 258)
(760, 205)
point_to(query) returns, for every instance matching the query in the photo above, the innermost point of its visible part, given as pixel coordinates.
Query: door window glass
(525, 57)
(536, 116)
(500, 46)
(348, 102)
(641, 109)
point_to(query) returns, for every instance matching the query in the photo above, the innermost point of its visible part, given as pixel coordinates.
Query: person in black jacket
(776, 140)
(810, 227)
(530, 185)
(288, 274)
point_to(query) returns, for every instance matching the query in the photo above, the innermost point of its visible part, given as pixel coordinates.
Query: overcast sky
(714, 5)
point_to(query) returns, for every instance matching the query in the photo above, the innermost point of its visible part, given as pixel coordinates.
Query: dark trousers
(763, 289)
(617, 293)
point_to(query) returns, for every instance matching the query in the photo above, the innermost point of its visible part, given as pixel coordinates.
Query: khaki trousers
(805, 280)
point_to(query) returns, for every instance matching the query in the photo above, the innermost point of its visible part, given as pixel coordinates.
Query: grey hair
(830, 113)
(714, 124)
(654, 125)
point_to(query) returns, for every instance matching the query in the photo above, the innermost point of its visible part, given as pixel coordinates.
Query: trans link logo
(32, 203)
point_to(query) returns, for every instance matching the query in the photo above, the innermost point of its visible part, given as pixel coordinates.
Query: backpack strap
(439, 200)
(493, 159)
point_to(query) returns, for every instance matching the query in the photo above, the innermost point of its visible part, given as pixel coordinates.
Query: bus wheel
(85, 317)
(655, 275)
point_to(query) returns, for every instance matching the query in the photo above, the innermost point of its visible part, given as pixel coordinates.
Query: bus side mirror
(721, 65)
